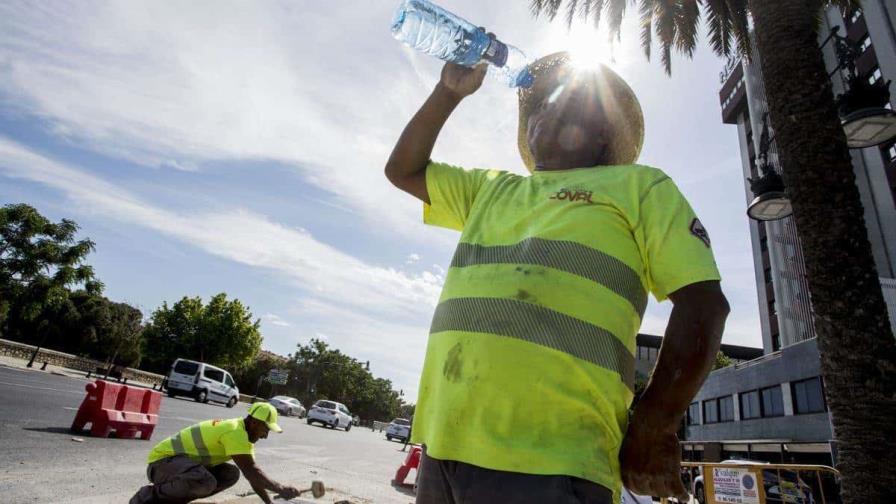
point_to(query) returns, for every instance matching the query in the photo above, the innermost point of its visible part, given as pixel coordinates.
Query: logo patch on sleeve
(699, 231)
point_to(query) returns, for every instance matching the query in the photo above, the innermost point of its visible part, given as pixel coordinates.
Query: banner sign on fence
(735, 486)
(278, 376)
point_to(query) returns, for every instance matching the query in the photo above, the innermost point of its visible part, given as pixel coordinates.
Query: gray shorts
(452, 482)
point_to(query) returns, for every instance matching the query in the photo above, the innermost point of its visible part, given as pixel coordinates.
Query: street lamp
(862, 107)
(771, 201)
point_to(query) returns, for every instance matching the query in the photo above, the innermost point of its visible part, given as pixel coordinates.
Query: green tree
(858, 350)
(722, 361)
(250, 379)
(220, 333)
(320, 372)
(93, 326)
(39, 262)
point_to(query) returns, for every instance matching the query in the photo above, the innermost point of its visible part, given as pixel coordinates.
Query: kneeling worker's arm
(260, 482)
(651, 454)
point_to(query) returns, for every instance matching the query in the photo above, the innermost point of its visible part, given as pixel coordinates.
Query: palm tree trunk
(858, 351)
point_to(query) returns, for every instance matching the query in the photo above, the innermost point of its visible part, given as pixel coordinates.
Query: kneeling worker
(192, 463)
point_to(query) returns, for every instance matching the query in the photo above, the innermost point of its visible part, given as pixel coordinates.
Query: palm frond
(551, 7)
(740, 26)
(687, 20)
(597, 7)
(718, 18)
(665, 28)
(536, 7)
(615, 13)
(571, 11)
(646, 10)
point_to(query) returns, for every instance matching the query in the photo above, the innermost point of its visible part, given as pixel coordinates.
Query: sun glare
(588, 48)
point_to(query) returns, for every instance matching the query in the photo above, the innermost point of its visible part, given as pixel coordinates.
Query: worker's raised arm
(259, 480)
(406, 168)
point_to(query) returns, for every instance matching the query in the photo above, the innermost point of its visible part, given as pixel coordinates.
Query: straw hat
(618, 100)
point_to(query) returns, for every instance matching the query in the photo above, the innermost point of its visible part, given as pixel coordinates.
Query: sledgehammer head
(317, 489)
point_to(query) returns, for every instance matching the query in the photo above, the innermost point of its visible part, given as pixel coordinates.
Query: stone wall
(69, 361)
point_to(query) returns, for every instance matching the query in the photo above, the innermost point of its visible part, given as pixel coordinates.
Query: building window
(726, 409)
(768, 275)
(776, 342)
(856, 15)
(874, 75)
(890, 153)
(711, 411)
(749, 405)
(763, 244)
(865, 43)
(772, 401)
(694, 414)
(808, 396)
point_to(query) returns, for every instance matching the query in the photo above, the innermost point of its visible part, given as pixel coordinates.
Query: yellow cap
(266, 413)
(618, 100)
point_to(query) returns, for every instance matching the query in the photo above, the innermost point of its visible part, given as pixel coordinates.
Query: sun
(588, 48)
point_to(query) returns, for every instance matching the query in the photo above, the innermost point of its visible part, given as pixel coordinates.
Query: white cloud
(384, 320)
(412, 259)
(274, 319)
(241, 236)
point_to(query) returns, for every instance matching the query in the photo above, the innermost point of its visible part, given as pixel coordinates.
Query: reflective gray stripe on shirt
(539, 325)
(177, 445)
(562, 255)
(202, 454)
(201, 449)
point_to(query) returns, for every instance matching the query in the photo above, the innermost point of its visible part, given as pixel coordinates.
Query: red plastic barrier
(412, 461)
(128, 411)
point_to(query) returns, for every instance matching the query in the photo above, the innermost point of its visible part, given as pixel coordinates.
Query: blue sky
(238, 147)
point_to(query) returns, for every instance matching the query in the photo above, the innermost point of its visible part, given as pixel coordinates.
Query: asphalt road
(40, 461)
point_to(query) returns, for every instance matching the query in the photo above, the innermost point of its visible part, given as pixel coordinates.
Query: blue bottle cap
(525, 79)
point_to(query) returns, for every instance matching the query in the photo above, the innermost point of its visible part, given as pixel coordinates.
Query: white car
(399, 429)
(330, 414)
(203, 382)
(287, 406)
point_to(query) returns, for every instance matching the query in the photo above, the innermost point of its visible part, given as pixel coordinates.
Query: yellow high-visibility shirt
(210, 443)
(530, 362)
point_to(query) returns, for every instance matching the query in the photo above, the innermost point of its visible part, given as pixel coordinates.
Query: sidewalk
(14, 362)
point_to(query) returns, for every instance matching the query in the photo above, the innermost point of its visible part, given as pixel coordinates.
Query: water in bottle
(429, 28)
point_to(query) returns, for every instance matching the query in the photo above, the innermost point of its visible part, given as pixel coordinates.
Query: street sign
(278, 376)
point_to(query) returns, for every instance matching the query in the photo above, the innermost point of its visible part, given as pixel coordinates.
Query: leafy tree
(722, 361)
(250, 379)
(858, 350)
(318, 371)
(39, 261)
(221, 333)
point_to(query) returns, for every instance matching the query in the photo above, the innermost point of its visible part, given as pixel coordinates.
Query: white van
(203, 382)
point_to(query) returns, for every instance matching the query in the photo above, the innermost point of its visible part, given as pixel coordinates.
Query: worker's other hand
(651, 460)
(288, 492)
(462, 81)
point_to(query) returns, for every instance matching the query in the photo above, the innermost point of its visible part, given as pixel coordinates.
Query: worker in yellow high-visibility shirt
(529, 369)
(193, 463)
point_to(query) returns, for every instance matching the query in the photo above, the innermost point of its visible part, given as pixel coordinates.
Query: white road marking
(79, 392)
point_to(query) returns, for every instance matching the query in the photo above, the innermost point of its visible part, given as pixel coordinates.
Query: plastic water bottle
(437, 32)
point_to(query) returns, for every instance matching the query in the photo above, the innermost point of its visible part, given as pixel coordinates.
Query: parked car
(399, 429)
(776, 492)
(288, 406)
(330, 414)
(203, 382)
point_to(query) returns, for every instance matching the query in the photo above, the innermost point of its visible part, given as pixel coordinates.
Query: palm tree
(858, 351)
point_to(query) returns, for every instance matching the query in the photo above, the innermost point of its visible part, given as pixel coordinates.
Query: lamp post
(771, 201)
(862, 107)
